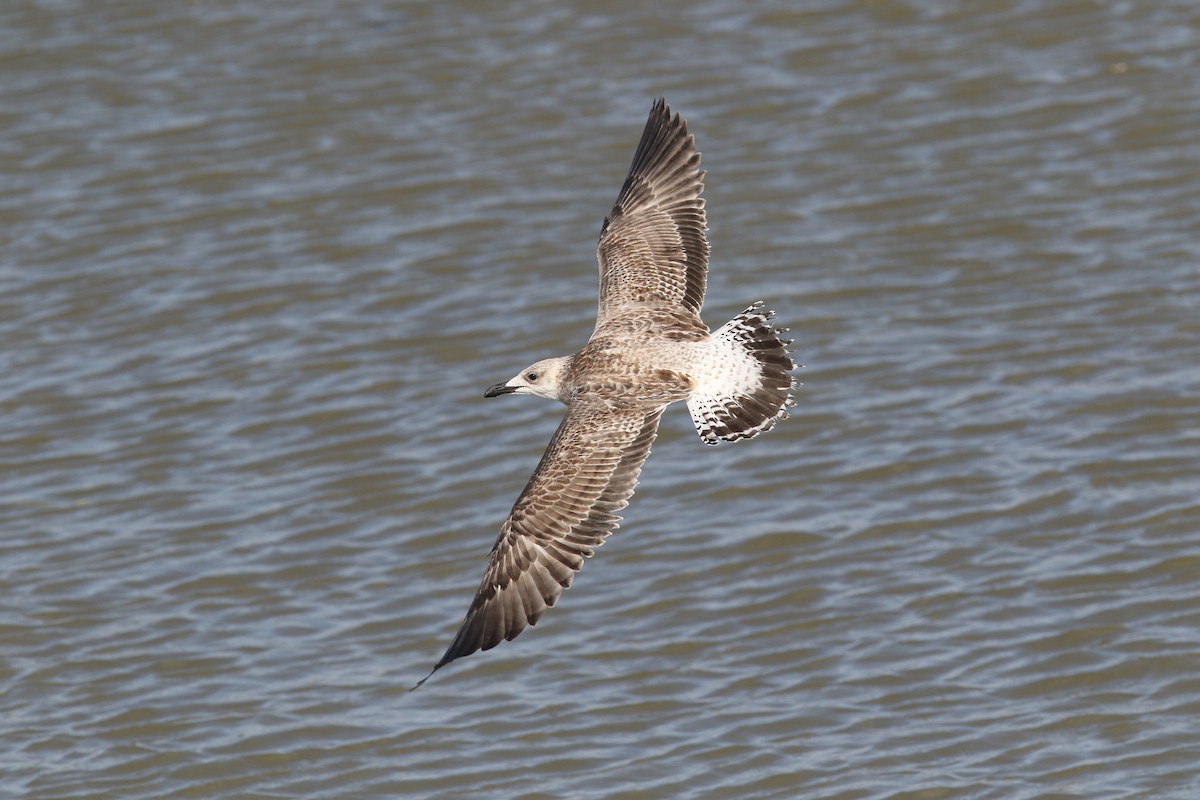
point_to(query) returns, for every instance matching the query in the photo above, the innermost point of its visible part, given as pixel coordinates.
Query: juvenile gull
(649, 349)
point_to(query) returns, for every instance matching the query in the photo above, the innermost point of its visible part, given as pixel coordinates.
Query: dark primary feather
(652, 246)
(569, 506)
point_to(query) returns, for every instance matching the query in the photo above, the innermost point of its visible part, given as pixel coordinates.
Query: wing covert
(653, 247)
(567, 509)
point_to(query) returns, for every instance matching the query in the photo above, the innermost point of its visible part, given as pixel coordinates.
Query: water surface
(258, 264)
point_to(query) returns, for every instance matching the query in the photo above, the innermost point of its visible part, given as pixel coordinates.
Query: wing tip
(421, 682)
(661, 109)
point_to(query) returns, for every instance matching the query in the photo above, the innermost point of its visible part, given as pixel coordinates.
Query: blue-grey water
(258, 262)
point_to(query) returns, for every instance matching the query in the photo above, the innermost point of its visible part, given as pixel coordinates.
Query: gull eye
(531, 376)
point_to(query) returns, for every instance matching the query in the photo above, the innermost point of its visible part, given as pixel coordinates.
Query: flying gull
(649, 349)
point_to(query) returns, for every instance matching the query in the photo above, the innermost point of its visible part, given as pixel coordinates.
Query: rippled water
(257, 264)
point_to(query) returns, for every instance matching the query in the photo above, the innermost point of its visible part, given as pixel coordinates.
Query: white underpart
(724, 372)
(731, 400)
(723, 368)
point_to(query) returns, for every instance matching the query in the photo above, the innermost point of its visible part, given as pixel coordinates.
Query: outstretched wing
(652, 247)
(566, 510)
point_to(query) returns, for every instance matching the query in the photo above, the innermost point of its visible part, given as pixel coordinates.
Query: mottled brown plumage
(567, 509)
(649, 349)
(653, 247)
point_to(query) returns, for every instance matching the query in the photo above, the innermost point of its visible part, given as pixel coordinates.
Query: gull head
(542, 379)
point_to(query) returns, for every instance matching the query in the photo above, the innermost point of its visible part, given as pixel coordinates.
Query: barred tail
(751, 389)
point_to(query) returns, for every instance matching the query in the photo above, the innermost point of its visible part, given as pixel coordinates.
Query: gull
(649, 349)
